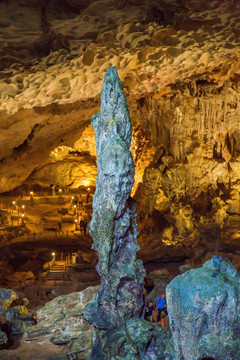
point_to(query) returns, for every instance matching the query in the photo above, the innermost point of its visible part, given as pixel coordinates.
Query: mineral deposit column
(113, 226)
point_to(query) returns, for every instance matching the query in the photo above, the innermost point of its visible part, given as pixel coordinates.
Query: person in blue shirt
(161, 305)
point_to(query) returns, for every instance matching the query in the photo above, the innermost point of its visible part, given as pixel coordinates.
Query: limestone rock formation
(59, 322)
(14, 315)
(180, 72)
(204, 311)
(7, 296)
(113, 225)
(3, 338)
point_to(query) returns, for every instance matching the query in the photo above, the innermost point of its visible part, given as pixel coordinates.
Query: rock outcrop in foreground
(59, 323)
(204, 311)
(120, 334)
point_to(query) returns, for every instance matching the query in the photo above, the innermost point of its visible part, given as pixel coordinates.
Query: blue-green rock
(204, 312)
(3, 338)
(120, 333)
(113, 226)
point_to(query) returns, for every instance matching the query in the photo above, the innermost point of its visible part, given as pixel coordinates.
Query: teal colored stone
(204, 312)
(120, 334)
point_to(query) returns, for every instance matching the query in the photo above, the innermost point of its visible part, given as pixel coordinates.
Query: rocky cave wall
(179, 65)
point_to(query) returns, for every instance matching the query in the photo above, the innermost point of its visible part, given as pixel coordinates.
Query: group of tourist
(78, 199)
(82, 226)
(157, 312)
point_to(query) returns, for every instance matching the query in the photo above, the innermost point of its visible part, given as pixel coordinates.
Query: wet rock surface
(203, 307)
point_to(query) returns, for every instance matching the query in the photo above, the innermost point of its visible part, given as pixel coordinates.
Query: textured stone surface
(59, 322)
(113, 225)
(72, 171)
(204, 311)
(137, 339)
(6, 298)
(3, 338)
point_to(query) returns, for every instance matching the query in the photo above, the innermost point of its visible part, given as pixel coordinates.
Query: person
(84, 227)
(161, 301)
(87, 197)
(81, 226)
(60, 227)
(80, 201)
(149, 312)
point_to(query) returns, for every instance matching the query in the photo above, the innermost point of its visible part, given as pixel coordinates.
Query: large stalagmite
(120, 333)
(113, 226)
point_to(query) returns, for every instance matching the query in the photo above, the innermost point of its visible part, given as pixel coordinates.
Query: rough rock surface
(59, 322)
(120, 333)
(3, 338)
(14, 318)
(204, 311)
(7, 296)
(113, 225)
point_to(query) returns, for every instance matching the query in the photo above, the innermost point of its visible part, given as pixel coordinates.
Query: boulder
(3, 338)
(7, 296)
(204, 312)
(137, 339)
(59, 322)
(18, 327)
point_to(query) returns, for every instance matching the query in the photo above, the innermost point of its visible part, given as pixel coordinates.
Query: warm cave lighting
(86, 183)
(88, 189)
(60, 190)
(75, 224)
(72, 197)
(14, 202)
(53, 254)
